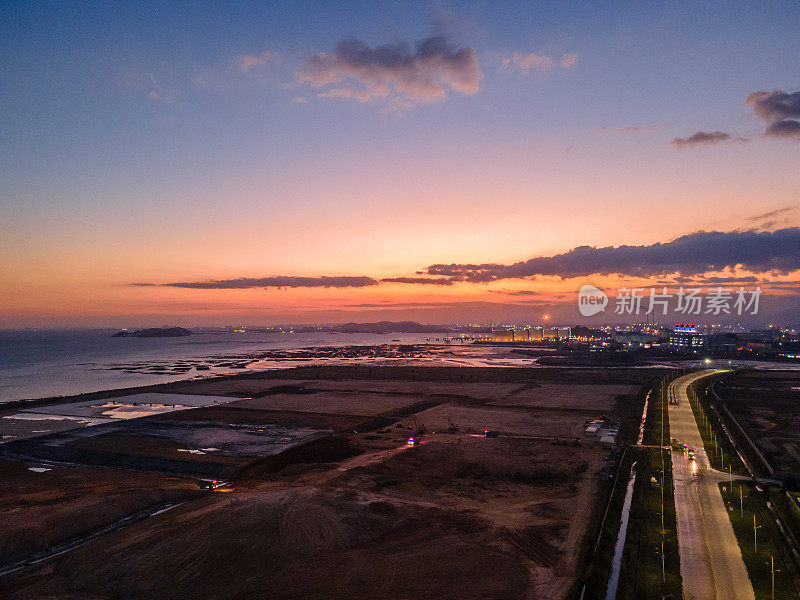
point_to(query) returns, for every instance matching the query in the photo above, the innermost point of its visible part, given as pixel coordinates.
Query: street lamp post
(773, 570)
(741, 501)
(755, 535)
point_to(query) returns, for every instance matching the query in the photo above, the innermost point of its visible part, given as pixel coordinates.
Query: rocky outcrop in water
(155, 332)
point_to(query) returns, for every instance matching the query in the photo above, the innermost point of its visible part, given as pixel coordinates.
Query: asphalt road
(711, 562)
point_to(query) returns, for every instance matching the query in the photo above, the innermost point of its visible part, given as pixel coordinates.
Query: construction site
(382, 481)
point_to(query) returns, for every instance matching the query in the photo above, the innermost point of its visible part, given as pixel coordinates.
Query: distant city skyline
(443, 162)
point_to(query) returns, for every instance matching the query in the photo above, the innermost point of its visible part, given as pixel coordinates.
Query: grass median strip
(721, 453)
(757, 533)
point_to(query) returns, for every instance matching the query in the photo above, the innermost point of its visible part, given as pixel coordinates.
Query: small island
(155, 332)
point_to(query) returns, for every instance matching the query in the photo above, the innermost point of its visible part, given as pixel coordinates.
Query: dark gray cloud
(397, 71)
(692, 254)
(776, 105)
(701, 138)
(421, 280)
(779, 109)
(787, 128)
(516, 292)
(281, 281)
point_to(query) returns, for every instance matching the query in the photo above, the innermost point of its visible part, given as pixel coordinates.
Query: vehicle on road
(208, 484)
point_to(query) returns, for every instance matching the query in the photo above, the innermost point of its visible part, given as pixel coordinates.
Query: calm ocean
(36, 364)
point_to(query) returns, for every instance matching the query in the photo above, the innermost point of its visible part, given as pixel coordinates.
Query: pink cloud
(245, 62)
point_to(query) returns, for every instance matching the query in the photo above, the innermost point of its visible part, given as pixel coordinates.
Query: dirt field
(459, 518)
(39, 509)
(767, 405)
(363, 514)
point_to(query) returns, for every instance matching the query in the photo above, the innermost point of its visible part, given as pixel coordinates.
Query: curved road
(711, 562)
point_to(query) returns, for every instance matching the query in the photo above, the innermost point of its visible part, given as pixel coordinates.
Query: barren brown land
(326, 498)
(767, 405)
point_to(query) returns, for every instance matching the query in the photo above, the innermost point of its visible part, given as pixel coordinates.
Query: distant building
(722, 342)
(604, 431)
(765, 336)
(532, 334)
(634, 339)
(686, 339)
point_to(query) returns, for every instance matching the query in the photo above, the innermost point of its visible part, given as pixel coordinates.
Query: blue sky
(134, 128)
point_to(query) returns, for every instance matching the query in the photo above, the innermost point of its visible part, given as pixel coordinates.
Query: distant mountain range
(155, 332)
(390, 327)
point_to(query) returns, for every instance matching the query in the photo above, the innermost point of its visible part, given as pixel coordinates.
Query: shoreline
(294, 372)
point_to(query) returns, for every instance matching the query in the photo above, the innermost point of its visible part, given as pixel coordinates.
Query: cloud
(526, 62)
(281, 281)
(775, 106)
(779, 109)
(300, 100)
(245, 62)
(714, 280)
(701, 138)
(784, 129)
(569, 59)
(629, 129)
(421, 280)
(772, 218)
(516, 292)
(422, 74)
(692, 254)
(772, 213)
(158, 93)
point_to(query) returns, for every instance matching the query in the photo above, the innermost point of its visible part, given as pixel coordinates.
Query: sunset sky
(262, 163)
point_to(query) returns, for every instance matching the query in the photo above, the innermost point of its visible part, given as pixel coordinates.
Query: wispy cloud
(158, 93)
(276, 282)
(516, 292)
(628, 129)
(421, 280)
(704, 138)
(569, 59)
(525, 63)
(245, 62)
(772, 218)
(420, 74)
(772, 213)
